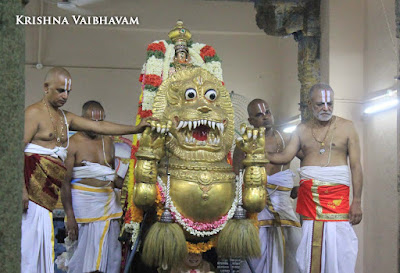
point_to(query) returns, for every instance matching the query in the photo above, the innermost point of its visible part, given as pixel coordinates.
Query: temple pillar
(12, 99)
(300, 18)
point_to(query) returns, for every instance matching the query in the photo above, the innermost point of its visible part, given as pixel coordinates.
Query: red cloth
(330, 199)
(43, 179)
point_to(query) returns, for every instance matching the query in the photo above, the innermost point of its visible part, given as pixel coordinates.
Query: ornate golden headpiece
(180, 36)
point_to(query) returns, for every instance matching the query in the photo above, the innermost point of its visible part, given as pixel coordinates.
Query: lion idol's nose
(204, 109)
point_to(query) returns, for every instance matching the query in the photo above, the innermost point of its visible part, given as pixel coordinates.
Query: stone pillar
(300, 18)
(397, 11)
(12, 99)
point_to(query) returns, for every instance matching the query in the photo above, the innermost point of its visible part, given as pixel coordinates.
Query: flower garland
(200, 229)
(201, 247)
(134, 214)
(133, 228)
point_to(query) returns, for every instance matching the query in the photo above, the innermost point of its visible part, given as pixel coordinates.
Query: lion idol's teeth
(192, 125)
(220, 127)
(179, 125)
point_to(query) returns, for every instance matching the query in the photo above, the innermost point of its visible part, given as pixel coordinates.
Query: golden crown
(180, 36)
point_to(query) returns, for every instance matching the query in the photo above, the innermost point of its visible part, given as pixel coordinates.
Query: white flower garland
(178, 215)
(214, 68)
(134, 228)
(168, 59)
(154, 66)
(197, 46)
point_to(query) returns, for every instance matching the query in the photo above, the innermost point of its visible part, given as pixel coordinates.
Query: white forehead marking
(262, 108)
(323, 95)
(70, 83)
(328, 95)
(66, 83)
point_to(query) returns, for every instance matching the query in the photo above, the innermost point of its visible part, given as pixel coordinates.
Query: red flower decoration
(153, 80)
(134, 150)
(207, 51)
(128, 216)
(156, 47)
(144, 113)
(141, 77)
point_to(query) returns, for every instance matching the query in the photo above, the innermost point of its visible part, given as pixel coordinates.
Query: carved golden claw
(252, 143)
(153, 139)
(252, 140)
(151, 149)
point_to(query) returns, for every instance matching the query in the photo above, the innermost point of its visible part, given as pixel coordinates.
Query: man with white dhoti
(329, 243)
(279, 227)
(46, 140)
(95, 202)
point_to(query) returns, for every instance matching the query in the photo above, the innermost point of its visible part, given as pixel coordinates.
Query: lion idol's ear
(173, 95)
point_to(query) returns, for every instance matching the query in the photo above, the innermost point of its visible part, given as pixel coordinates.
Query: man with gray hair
(327, 142)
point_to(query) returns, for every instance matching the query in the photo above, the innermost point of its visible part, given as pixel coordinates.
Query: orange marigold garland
(201, 247)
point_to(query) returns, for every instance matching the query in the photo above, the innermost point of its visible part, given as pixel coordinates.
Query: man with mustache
(328, 143)
(280, 230)
(46, 139)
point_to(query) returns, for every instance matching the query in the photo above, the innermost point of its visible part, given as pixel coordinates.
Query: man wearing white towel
(90, 170)
(327, 142)
(46, 140)
(279, 227)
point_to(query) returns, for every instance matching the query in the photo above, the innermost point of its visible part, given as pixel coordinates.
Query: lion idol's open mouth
(200, 132)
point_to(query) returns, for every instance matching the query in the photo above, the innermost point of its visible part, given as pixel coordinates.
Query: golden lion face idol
(201, 112)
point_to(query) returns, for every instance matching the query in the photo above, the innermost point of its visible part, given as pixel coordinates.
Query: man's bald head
(319, 87)
(93, 110)
(54, 73)
(259, 114)
(57, 85)
(253, 106)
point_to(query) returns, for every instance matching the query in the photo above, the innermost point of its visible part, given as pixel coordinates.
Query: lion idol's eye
(211, 95)
(190, 94)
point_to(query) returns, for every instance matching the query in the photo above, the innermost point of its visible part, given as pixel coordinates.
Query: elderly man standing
(328, 142)
(280, 230)
(46, 140)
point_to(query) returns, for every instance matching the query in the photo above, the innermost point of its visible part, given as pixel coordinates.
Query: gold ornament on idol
(180, 37)
(322, 149)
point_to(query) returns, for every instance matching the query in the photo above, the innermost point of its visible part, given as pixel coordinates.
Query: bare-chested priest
(94, 188)
(280, 230)
(46, 140)
(328, 143)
